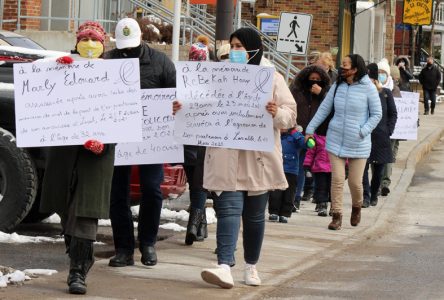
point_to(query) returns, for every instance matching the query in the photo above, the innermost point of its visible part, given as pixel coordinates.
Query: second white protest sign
(223, 105)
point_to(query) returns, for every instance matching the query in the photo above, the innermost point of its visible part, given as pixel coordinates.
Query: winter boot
(193, 225)
(202, 233)
(81, 253)
(336, 222)
(374, 201)
(355, 216)
(366, 203)
(322, 210)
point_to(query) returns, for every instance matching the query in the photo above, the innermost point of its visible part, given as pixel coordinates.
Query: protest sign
(407, 124)
(158, 144)
(59, 105)
(223, 105)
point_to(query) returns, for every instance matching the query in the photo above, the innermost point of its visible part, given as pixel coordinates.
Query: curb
(385, 217)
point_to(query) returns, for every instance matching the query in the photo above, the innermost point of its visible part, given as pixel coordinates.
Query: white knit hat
(384, 66)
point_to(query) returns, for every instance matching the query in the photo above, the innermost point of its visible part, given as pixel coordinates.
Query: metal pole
(118, 10)
(224, 19)
(287, 72)
(238, 14)
(69, 14)
(176, 30)
(1, 13)
(49, 14)
(19, 12)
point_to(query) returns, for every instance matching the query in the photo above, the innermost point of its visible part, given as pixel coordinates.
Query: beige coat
(244, 170)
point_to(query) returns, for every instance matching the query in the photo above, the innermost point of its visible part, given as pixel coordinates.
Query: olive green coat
(75, 174)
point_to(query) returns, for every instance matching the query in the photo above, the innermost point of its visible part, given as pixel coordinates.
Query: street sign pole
(290, 61)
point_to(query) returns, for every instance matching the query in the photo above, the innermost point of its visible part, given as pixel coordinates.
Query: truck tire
(18, 182)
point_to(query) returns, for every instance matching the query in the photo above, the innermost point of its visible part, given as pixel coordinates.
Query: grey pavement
(288, 249)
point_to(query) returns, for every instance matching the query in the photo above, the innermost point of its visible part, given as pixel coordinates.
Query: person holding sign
(77, 180)
(240, 180)
(381, 151)
(357, 111)
(156, 71)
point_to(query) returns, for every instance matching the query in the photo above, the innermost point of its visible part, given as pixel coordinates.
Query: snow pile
(135, 210)
(153, 28)
(16, 277)
(104, 222)
(11, 276)
(173, 226)
(174, 215)
(154, 19)
(46, 272)
(211, 215)
(6, 86)
(14, 238)
(53, 219)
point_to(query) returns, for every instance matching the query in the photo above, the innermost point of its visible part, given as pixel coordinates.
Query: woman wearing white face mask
(384, 74)
(240, 179)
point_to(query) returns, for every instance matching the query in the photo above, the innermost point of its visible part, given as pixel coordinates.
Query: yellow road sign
(417, 12)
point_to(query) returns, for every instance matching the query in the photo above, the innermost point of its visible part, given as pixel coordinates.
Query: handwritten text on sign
(158, 144)
(407, 124)
(223, 105)
(57, 105)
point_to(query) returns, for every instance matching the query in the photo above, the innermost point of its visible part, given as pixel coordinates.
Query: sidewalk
(288, 249)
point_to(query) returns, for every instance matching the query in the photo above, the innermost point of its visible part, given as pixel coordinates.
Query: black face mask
(318, 82)
(131, 52)
(343, 72)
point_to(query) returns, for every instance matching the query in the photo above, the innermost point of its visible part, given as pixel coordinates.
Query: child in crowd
(281, 201)
(317, 161)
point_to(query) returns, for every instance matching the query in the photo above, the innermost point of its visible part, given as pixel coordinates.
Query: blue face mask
(382, 78)
(238, 56)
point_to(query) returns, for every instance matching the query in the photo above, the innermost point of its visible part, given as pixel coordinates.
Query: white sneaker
(251, 276)
(218, 276)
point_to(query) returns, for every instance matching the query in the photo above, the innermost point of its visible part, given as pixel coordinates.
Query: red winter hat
(91, 30)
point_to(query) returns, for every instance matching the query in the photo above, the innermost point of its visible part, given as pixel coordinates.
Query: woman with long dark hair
(357, 110)
(240, 180)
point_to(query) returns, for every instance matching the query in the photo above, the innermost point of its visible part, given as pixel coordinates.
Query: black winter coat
(381, 152)
(430, 77)
(404, 84)
(156, 69)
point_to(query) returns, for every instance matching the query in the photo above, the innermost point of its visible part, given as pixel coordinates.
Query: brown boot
(355, 216)
(336, 222)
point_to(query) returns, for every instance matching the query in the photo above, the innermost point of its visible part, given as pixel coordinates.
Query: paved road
(405, 262)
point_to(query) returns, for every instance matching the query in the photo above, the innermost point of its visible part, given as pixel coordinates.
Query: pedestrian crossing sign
(294, 33)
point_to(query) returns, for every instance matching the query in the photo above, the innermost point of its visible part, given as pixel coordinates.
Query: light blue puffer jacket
(357, 112)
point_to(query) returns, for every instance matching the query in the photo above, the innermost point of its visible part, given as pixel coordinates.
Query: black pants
(281, 201)
(151, 176)
(429, 95)
(322, 187)
(371, 189)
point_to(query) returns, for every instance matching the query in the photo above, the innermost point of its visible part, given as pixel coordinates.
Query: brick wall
(28, 8)
(389, 33)
(324, 30)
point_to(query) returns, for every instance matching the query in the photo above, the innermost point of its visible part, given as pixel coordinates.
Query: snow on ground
(15, 277)
(174, 215)
(14, 238)
(40, 271)
(53, 219)
(173, 226)
(19, 277)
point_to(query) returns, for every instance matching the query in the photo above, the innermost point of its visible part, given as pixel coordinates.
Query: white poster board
(223, 105)
(158, 144)
(60, 105)
(407, 124)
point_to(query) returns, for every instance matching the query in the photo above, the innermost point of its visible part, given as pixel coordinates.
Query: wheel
(18, 182)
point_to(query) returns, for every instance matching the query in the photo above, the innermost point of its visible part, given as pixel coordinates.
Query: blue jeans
(151, 176)
(230, 207)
